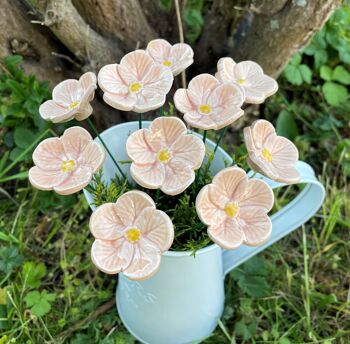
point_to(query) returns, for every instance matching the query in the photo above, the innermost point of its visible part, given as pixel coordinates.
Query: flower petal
(112, 257)
(178, 177)
(182, 57)
(157, 80)
(110, 80)
(84, 111)
(255, 135)
(93, 156)
(105, 224)
(145, 263)
(75, 140)
(201, 122)
(123, 102)
(263, 87)
(225, 117)
(200, 87)
(88, 80)
(75, 181)
(228, 234)
(208, 212)
(49, 154)
(254, 192)
(283, 150)
(226, 96)
(227, 181)
(150, 176)
(135, 65)
(248, 70)
(148, 101)
(45, 179)
(54, 112)
(164, 131)
(255, 224)
(159, 50)
(131, 204)
(138, 149)
(67, 92)
(190, 149)
(156, 226)
(182, 101)
(225, 68)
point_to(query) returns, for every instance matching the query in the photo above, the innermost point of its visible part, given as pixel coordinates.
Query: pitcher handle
(289, 218)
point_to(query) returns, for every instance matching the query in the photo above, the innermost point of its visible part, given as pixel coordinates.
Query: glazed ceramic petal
(138, 149)
(84, 111)
(105, 224)
(283, 151)
(256, 225)
(75, 140)
(150, 176)
(156, 227)
(164, 131)
(228, 235)
(135, 65)
(123, 102)
(148, 101)
(110, 81)
(45, 179)
(256, 134)
(93, 156)
(76, 181)
(181, 56)
(54, 112)
(131, 204)
(190, 150)
(254, 193)
(159, 50)
(157, 80)
(200, 87)
(144, 264)
(227, 96)
(178, 177)
(207, 211)
(88, 81)
(112, 257)
(182, 101)
(67, 92)
(49, 154)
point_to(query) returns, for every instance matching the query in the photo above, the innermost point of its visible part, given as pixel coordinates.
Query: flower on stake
(165, 156)
(235, 209)
(66, 164)
(207, 104)
(176, 57)
(137, 84)
(70, 99)
(249, 76)
(131, 236)
(270, 154)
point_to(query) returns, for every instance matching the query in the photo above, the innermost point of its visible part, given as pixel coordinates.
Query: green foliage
(33, 273)
(297, 72)
(20, 98)
(9, 259)
(286, 125)
(193, 19)
(39, 302)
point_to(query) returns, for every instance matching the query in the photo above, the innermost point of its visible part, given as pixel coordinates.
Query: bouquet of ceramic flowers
(168, 159)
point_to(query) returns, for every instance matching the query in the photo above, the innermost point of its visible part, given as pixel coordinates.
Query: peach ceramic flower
(250, 76)
(70, 99)
(136, 84)
(66, 164)
(207, 104)
(165, 156)
(270, 154)
(177, 57)
(235, 209)
(131, 235)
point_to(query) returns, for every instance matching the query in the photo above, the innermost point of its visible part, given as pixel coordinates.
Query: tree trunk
(86, 34)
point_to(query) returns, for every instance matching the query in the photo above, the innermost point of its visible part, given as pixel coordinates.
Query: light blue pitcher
(183, 301)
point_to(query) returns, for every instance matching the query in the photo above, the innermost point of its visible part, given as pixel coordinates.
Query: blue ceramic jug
(183, 301)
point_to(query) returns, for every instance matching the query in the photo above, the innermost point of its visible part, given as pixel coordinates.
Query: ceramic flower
(250, 76)
(177, 57)
(131, 236)
(270, 154)
(235, 209)
(70, 99)
(66, 164)
(207, 104)
(165, 156)
(136, 84)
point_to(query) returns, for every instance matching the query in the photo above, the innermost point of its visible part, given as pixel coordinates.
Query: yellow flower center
(205, 109)
(133, 234)
(241, 81)
(231, 209)
(73, 105)
(266, 154)
(167, 63)
(163, 155)
(135, 87)
(68, 166)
